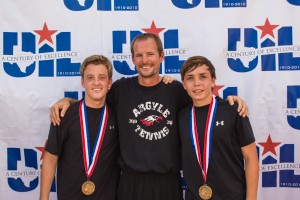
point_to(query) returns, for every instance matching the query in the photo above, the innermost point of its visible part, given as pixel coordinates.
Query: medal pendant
(205, 192)
(88, 187)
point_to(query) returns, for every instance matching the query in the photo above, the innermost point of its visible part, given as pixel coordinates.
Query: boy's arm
(47, 174)
(251, 170)
(63, 105)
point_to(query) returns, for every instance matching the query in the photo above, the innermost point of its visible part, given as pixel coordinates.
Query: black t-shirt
(149, 139)
(65, 142)
(226, 175)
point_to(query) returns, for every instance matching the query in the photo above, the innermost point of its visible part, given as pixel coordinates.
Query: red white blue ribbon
(207, 136)
(90, 158)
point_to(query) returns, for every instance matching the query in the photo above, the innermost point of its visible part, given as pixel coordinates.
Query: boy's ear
(214, 82)
(110, 83)
(183, 84)
(82, 82)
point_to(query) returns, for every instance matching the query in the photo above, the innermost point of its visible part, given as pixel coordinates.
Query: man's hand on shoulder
(168, 79)
(242, 106)
(63, 105)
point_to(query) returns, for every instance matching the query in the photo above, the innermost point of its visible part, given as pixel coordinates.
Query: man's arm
(63, 105)
(251, 170)
(168, 79)
(47, 174)
(242, 106)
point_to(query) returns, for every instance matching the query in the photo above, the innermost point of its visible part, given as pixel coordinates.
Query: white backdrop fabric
(254, 45)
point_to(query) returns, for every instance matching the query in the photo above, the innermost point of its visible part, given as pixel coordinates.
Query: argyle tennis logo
(150, 120)
(121, 56)
(294, 2)
(105, 5)
(292, 110)
(45, 50)
(24, 169)
(269, 45)
(188, 4)
(278, 166)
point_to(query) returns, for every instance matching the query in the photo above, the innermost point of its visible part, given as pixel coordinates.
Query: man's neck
(149, 81)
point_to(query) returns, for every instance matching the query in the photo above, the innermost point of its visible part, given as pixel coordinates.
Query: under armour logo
(169, 122)
(219, 123)
(111, 127)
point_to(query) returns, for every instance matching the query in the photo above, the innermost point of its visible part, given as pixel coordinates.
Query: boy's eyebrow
(188, 75)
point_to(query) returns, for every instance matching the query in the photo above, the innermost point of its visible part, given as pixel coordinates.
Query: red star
(216, 89)
(45, 34)
(153, 29)
(42, 149)
(267, 29)
(269, 145)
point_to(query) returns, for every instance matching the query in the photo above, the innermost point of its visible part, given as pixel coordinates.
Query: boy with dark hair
(219, 156)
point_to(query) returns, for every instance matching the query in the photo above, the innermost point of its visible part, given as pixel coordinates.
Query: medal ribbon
(90, 158)
(207, 136)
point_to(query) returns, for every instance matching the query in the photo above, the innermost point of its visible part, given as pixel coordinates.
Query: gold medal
(205, 192)
(88, 187)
